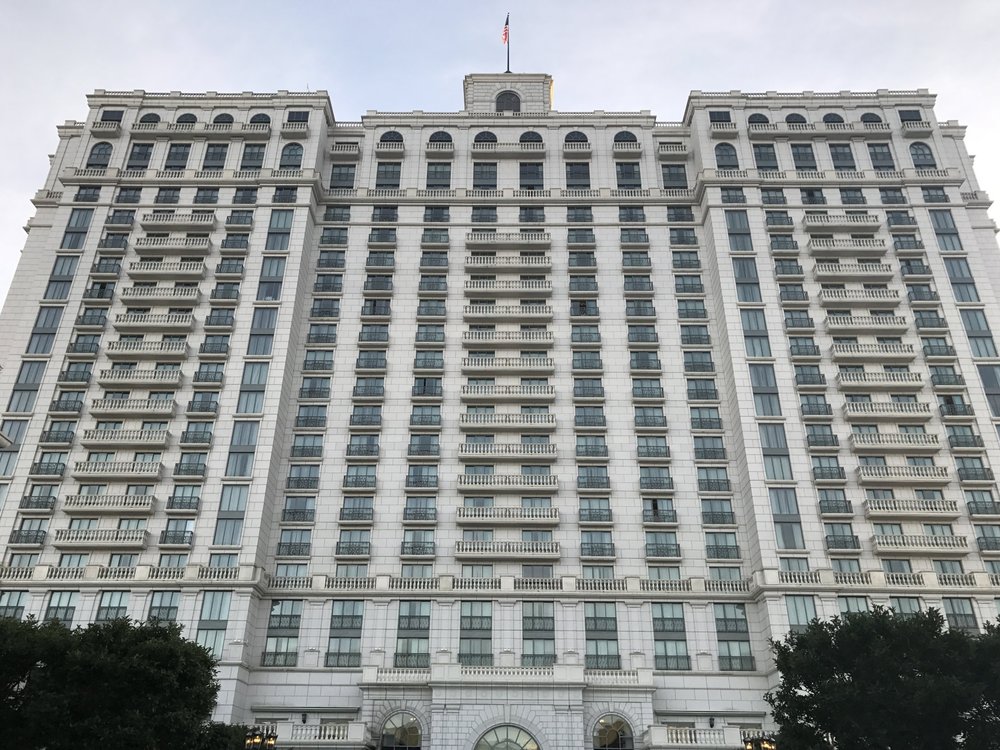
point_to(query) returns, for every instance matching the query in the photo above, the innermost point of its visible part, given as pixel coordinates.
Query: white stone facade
(191, 369)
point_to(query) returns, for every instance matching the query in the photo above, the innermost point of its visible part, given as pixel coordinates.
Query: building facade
(505, 427)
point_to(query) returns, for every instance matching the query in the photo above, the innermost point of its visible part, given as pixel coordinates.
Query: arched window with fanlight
(187, 119)
(391, 136)
(923, 157)
(613, 732)
(623, 136)
(100, 156)
(832, 118)
(150, 118)
(223, 119)
(485, 136)
(725, 156)
(757, 119)
(795, 119)
(530, 136)
(508, 101)
(401, 731)
(440, 137)
(870, 117)
(575, 136)
(507, 737)
(291, 157)
(260, 119)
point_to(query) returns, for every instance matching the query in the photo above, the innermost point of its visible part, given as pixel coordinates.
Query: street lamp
(256, 739)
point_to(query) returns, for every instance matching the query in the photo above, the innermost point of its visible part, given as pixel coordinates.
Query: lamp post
(257, 739)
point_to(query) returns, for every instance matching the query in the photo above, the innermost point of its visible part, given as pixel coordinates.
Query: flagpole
(506, 27)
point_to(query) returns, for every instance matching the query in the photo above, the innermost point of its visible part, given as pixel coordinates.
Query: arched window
(530, 137)
(223, 119)
(100, 156)
(725, 157)
(507, 737)
(575, 136)
(440, 137)
(391, 136)
(401, 731)
(923, 157)
(831, 117)
(188, 119)
(612, 732)
(260, 120)
(758, 119)
(508, 101)
(870, 117)
(795, 119)
(151, 117)
(623, 136)
(485, 136)
(291, 157)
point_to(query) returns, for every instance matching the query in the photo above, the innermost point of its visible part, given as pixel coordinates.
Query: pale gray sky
(396, 55)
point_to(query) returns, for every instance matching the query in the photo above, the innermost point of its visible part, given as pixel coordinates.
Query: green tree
(216, 736)
(878, 681)
(115, 684)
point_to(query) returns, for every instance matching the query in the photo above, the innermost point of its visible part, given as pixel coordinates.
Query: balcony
(499, 393)
(110, 504)
(961, 442)
(135, 377)
(975, 474)
(920, 544)
(353, 549)
(663, 551)
(508, 550)
(508, 287)
(190, 469)
(101, 538)
(132, 406)
(160, 294)
(540, 339)
(293, 549)
(47, 469)
(894, 442)
(508, 239)
(887, 410)
(842, 542)
(873, 352)
(203, 406)
(522, 422)
(957, 411)
(26, 538)
(722, 552)
(417, 549)
(869, 298)
(508, 482)
(910, 475)
(891, 381)
(508, 313)
(848, 247)
(502, 263)
(174, 245)
(841, 272)
(825, 474)
(906, 508)
(504, 365)
(845, 222)
(124, 438)
(154, 322)
(866, 323)
(175, 538)
(157, 350)
(500, 451)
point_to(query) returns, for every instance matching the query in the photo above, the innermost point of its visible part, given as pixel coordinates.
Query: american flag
(506, 30)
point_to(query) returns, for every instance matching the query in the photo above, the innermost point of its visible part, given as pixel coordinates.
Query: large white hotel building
(503, 428)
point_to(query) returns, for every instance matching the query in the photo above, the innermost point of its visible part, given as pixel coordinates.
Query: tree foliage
(114, 684)
(879, 681)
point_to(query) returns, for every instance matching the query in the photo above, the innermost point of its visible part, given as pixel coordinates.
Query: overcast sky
(396, 55)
